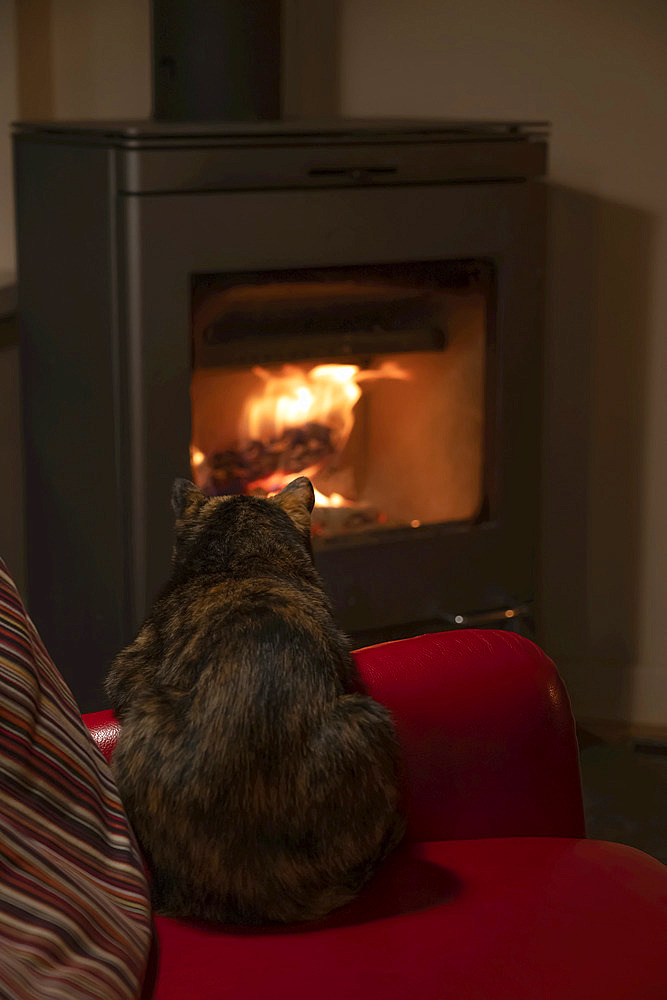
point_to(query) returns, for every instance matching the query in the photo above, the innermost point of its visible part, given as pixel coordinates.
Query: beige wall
(597, 69)
(101, 58)
(84, 58)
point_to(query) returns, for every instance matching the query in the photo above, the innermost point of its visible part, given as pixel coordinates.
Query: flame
(291, 398)
(326, 394)
(335, 500)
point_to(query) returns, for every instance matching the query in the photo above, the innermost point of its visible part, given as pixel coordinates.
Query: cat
(261, 781)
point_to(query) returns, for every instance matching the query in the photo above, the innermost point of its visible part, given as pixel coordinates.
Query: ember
(240, 469)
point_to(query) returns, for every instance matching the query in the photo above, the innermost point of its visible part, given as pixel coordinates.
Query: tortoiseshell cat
(261, 784)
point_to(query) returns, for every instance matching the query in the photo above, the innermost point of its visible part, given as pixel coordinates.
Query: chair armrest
(487, 734)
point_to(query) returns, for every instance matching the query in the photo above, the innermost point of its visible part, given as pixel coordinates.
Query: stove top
(334, 130)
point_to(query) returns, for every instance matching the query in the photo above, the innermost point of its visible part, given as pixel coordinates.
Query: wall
(83, 58)
(597, 69)
(101, 58)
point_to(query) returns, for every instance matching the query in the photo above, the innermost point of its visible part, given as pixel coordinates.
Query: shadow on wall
(598, 295)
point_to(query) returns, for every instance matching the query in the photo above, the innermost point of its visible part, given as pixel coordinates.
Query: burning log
(292, 452)
(260, 467)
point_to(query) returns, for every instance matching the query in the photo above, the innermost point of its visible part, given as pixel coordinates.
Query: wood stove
(357, 301)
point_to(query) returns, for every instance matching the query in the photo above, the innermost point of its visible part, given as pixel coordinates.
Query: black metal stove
(157, 258)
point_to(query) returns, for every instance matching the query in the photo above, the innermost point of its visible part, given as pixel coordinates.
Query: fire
(326, 395)
(335, 500)
(320, 399)
(297, 424)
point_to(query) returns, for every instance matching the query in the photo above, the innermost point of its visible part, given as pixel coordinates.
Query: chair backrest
(486, 731)
(487, 734)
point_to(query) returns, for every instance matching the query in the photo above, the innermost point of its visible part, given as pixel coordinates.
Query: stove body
(128, 231)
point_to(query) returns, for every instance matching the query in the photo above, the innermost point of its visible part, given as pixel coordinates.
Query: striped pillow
(74, 905)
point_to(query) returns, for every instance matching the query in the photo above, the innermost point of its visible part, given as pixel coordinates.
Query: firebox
(369, 380)
(357, 302)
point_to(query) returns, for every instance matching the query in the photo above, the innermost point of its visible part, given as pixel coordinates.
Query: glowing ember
(196, 457)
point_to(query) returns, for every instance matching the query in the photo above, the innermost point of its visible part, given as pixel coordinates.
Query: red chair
(496, 893)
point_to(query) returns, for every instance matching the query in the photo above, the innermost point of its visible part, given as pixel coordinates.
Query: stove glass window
(372, 381)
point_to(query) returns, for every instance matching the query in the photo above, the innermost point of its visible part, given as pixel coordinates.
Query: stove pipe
(216, 61)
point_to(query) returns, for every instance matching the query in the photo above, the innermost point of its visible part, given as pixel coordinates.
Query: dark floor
(625, 792)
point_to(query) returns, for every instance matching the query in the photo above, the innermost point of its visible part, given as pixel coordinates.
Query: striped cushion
(74, 906)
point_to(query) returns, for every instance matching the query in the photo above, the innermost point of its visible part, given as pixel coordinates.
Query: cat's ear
(186, 498)
(297, 499)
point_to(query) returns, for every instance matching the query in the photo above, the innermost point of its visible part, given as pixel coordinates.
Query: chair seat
(521, 918)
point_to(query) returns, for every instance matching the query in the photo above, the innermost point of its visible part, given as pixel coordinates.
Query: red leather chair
(495, 894)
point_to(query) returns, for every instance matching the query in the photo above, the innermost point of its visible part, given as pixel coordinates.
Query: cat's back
(243, 673)
(207, 616)
(261, 653)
